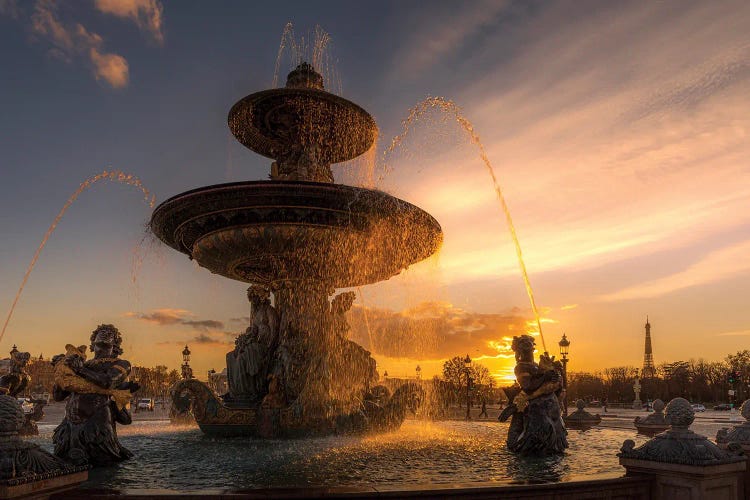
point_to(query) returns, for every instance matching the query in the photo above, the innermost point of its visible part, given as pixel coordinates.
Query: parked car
(723, 407)
(145, 404)
(698, 407)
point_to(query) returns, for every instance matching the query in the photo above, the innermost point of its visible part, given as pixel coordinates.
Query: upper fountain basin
(279, 122)
(273, 232)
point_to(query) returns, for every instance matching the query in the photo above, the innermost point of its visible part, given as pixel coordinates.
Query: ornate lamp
(564, 348)
(187, 372)
(467, 364)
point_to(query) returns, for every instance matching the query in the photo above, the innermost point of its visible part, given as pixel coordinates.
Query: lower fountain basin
(274, 232)
(179, 459)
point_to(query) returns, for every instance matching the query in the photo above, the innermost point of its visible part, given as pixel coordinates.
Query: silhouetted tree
(740, 362)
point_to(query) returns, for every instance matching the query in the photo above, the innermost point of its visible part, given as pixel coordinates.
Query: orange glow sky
(620, 135)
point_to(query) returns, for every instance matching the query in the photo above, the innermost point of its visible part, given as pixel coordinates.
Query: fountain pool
(429, 453)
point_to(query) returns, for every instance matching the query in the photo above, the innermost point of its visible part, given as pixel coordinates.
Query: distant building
(648, 357)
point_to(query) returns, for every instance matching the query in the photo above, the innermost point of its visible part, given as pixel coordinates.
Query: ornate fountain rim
(248, 128)
(198, 222)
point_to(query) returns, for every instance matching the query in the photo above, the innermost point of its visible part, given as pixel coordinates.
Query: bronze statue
(15, 382)
(351, 364)
(93, 388)
(248, 363)
(536, 426)
(340, 304)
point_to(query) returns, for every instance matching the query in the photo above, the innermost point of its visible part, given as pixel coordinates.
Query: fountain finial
(304, 76)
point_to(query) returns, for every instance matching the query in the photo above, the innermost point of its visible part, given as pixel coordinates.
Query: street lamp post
(187, 372)
(467, 364)
(564, 347)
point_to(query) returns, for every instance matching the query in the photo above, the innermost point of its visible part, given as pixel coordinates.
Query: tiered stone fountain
(298, 236)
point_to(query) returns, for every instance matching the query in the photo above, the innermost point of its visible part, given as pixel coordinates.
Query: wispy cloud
(167, 316)
(241, 319)
(739, 333)
(568, 307)
(716, 266)
(70, 40)
(208, 339)
(146, 14)
(616, 132)
(444, 35)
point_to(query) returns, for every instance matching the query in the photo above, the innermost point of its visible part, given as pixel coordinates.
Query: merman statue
(536, 427)
(96, 391)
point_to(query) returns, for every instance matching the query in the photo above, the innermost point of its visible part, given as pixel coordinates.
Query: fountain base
(376, 414)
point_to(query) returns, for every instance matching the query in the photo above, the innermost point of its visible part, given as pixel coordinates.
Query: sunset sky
(618, 131)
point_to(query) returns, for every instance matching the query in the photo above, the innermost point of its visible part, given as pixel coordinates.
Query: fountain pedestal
(652, 424)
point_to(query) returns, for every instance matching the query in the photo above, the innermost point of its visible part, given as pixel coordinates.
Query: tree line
(695, 380)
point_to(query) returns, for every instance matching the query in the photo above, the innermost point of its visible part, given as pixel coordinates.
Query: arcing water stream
(114, 175)
(450, 107)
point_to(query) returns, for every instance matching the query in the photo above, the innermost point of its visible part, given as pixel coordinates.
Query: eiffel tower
(648, 356)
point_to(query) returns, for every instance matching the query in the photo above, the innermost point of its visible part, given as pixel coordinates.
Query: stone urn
(654, 423)
(581, 419)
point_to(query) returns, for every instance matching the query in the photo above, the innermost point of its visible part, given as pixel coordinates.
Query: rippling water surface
(183, 458)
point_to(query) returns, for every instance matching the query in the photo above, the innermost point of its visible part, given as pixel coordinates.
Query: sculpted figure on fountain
(97, 391)
(248, 363)
(536, 426)
(14, 383)
(301, 163)
(16, 380)
(353, 365)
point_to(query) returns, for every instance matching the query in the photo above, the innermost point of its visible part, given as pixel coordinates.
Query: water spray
(113, 175)
(448, 106)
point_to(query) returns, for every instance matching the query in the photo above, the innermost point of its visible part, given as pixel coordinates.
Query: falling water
(364, 314)
(314, 49)
(287, 34)
(450, 107)
(114, 175)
